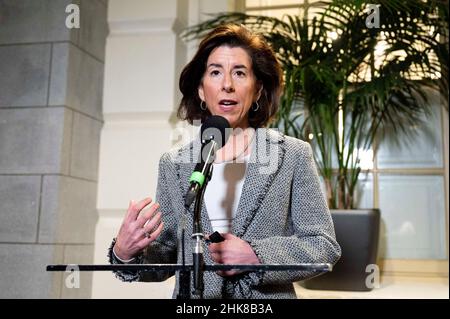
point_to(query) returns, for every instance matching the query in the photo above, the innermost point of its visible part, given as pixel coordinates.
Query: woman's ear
(201, 93)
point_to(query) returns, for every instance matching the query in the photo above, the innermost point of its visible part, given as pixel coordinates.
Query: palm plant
(347, 83)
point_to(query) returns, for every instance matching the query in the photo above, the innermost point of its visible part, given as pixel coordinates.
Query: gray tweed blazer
(282, 213)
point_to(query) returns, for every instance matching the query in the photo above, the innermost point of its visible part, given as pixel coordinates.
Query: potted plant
(350, 76)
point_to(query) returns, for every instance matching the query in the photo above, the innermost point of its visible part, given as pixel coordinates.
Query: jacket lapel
(265, 160)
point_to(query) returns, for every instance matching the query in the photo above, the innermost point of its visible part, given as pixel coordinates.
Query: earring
(257, 107)
(203, 103)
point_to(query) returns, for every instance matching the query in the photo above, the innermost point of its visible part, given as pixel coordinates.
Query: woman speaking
(264, 196)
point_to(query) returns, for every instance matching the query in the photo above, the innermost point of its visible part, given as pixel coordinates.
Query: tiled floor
(391, 287)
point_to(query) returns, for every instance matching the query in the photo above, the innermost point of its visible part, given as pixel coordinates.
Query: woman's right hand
(138, 230)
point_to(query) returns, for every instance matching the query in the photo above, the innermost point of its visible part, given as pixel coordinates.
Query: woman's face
(229, 86)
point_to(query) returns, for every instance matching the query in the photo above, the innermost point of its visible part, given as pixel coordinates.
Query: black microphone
(214, 134)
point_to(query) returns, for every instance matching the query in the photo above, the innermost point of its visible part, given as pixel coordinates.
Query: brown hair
(265, 66)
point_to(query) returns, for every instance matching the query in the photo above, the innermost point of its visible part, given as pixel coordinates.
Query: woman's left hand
(232, 250)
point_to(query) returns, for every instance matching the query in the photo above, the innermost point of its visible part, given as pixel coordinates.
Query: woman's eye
(240, 73)
(215, 72)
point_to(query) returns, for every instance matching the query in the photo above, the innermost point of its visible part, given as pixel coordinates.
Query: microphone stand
(198, 191)
(197, 233)
(184, 274)
(197, 236)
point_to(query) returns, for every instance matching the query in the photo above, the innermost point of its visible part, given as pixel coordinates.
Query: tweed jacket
(282, 214)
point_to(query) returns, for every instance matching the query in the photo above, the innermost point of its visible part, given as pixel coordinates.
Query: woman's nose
(228, 84)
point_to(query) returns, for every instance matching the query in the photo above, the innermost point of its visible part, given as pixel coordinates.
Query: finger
(153, 223)
(141, 205)
(136, 208)
(229, 273)
(216, 258)
(129, 211)
(215, 247)
(154, 235)
(146, 216)
(226, 273)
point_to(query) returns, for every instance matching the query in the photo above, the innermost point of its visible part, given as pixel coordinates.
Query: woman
(264, 196)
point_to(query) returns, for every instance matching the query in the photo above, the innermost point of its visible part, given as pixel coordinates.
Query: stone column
(51, 83)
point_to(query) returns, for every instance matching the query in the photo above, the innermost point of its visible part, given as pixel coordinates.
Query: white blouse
(223, 193)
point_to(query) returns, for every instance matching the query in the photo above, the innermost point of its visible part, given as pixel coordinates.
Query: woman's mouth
(227, 105)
